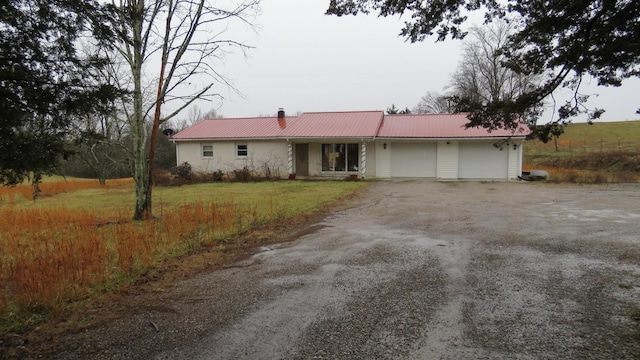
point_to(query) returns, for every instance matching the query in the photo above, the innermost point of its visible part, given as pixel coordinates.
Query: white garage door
(482, 161)
(413, 159)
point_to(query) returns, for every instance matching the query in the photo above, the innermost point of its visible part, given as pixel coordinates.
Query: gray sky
(306, 61)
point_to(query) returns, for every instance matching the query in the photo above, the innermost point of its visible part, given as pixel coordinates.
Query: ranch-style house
(363, 144)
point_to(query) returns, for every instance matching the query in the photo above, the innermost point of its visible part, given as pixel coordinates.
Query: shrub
(270, 170)
(599, 178)
(572, 176)
(625, 177)
(218, 175)
(242, 175)
(267, 172)
(184, 171)
(162, 178)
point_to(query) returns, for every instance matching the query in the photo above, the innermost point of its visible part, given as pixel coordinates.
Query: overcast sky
(306, 61)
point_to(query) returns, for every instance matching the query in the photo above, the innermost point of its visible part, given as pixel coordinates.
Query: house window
(340, 157)
(242, 150)
(207, 150)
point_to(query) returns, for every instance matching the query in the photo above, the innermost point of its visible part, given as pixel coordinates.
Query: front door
(302, 159)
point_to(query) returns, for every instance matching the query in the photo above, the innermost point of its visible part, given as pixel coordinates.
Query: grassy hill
(602, 152)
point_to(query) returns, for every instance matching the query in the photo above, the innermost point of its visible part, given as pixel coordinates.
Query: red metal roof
(238, 128)
(438, 126)
(336, 124)
(350, 124)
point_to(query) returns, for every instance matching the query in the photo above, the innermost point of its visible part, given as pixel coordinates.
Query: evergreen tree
(44, 83)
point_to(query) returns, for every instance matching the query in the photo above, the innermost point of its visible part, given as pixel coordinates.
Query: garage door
(482, 161)
(413, 159)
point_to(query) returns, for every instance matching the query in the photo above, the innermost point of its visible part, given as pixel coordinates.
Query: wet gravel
(413, 270)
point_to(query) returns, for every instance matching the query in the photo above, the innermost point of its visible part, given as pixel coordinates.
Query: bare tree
(433, 103)
(99, 146)
(194, 115)
(182, 40)
(482, 75)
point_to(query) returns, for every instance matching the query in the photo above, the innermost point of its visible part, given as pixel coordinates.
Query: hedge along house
(367, 144)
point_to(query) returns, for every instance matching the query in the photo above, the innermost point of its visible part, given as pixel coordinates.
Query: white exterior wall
(315, 158)
(515, 161)
(383, 159)
(274, 154)
(447, 167)
(371, 160)
(260, 154)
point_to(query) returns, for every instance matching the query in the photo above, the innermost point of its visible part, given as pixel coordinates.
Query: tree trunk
(138, 130)
(139, 159)
(148, 210)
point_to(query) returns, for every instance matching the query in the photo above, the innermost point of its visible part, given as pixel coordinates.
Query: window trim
(202, 151)
(346, 158)
(245, 150)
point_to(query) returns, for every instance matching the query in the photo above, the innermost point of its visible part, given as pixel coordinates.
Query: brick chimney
(280, 113)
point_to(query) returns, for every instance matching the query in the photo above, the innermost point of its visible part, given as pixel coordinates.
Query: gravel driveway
(414, 270)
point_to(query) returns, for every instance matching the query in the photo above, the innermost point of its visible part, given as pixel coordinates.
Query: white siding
(482, 160)
(261, 154)
(383, 159)
(458, 159)
(515, 161)
(447, 160)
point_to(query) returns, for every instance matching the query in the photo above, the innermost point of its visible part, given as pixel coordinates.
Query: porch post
(289, 158)
(363, 168)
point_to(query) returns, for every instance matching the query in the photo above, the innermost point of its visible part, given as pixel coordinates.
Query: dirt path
(414, 270)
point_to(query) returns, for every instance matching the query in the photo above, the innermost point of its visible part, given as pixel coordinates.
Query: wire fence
(582, 146)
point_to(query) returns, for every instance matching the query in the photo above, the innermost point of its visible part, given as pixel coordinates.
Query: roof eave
(229, 139)
(519, 137)
(368, 137)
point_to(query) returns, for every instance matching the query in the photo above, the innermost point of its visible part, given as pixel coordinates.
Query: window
(207, 150)
(340, 157)
(242, 150)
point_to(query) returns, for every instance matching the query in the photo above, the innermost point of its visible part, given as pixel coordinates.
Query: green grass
(584, 138)
(600, 153)
(178, 229)
(294, 196)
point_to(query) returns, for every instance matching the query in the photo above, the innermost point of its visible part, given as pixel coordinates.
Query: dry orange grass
(70, 244)
(52, 188)
(51, 256)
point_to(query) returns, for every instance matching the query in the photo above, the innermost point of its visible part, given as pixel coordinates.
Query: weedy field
(600, 153)
(76, 239)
